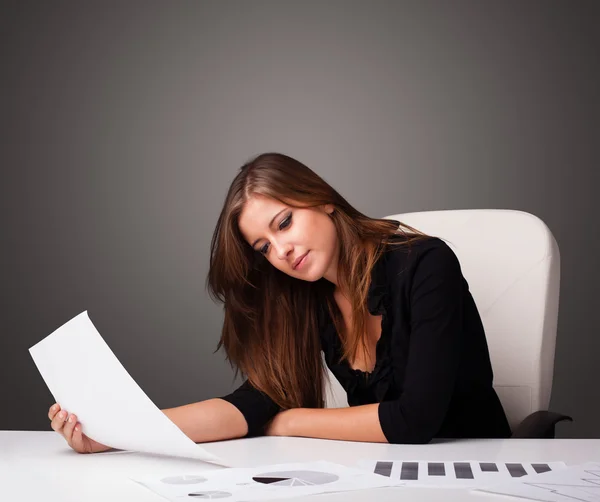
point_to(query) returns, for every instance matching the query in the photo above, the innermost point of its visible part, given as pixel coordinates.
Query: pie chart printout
(210, 495)
(296, 478)
(265, 482)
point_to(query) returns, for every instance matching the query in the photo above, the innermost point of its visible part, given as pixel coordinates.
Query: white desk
(39, 466)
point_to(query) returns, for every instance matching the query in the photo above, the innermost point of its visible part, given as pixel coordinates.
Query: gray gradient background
(123, 124)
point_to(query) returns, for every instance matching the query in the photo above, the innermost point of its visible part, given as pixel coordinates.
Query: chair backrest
(511, 262)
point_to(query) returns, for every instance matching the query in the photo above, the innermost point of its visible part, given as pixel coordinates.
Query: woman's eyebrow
(270, 224)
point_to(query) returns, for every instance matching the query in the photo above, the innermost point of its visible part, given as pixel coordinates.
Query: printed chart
(295, 478)
(210, 495)
(580, 483)
(266, 482)
(455, 473)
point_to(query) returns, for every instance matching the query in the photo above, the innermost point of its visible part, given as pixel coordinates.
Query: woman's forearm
(357, 423)
(210, 420)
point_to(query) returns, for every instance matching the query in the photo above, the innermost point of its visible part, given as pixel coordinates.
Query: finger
(77, 438)
(54, 409)
(68, 428)
(59, 421)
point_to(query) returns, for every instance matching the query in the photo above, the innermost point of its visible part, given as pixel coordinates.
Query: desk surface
(36, 465)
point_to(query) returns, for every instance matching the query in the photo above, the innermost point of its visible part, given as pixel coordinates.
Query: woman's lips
(302, 261)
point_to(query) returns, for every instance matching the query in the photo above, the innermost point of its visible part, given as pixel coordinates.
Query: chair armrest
(540, 424)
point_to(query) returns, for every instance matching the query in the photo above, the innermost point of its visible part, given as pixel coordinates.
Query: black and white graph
(266, 482)
(295, 478)
(579, 483)
(210, 495)
(455, 473)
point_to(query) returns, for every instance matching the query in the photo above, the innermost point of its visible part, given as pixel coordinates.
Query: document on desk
(574, 483)
(455, 473)
(268, 482)
(87, 379)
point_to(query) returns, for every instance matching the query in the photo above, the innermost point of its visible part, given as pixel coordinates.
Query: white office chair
(511, 262)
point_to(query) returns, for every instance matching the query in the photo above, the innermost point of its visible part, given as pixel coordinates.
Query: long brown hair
(270, 332)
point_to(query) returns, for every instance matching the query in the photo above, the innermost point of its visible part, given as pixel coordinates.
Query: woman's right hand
(70, 429)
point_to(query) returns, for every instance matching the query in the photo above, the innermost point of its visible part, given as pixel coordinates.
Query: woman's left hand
(280, 425)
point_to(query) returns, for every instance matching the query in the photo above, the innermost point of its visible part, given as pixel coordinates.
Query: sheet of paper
(87, 379)
(580, 483)
(459, 473)
(265, 482)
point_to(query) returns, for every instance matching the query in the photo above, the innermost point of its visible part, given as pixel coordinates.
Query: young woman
(301, 272)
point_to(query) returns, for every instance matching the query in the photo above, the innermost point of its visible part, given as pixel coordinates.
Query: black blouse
(432, 376)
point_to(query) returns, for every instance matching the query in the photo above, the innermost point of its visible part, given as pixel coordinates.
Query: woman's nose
(282, 250)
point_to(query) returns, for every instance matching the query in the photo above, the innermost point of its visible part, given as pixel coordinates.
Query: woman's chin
(308, 277)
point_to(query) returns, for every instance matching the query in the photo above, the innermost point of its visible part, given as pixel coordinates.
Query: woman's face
(301, 242)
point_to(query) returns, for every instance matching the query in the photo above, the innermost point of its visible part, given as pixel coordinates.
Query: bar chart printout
(469, 473)
(579, 483)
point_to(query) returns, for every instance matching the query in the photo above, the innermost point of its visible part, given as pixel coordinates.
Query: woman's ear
(329, 209)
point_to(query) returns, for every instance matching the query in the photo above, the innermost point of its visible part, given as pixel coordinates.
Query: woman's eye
(283, 225)
(286, 222)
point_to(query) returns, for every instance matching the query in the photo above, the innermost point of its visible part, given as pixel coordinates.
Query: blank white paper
(580, 483)
(87, 379)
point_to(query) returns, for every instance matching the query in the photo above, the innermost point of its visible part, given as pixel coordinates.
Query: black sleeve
(258, 408)
(436, 304)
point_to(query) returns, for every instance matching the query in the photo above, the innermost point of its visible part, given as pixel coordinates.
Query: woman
(301, 272)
